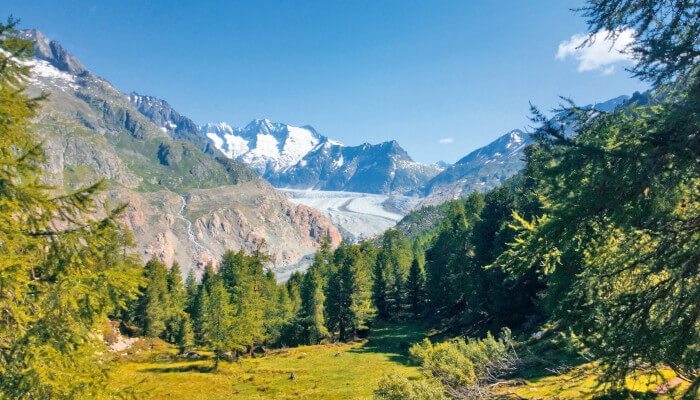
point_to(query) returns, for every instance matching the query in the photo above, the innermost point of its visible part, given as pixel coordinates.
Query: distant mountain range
(187, 201)
(480, 170)
(301, 158)
(195, 188)
(487, 167)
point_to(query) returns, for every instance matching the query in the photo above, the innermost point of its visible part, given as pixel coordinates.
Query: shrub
(397, 387)
(466, 368)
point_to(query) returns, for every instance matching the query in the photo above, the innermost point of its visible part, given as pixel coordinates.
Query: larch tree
(217, 320)
(341, 299)
(619, 235)
(63, 267)
(152, 304)
(312, 310)
(416, 288)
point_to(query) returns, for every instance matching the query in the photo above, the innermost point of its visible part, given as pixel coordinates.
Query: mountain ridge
(90, 131)
(313, 161)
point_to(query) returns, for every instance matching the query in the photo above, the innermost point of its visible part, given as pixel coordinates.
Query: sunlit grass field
(151, 370)
(333, 371)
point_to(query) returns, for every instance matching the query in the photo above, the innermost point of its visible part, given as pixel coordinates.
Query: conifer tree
(380, 287)
(293, 289)
(284, 304)
(152, 306)
(177, 299)
(231, 267)
(217, 321)
(176, 288)
(416, 288)
(312, 308)
(183, 336)
(445, 260)
(249, 302)
(191, 290)
(341, 298)
(666, 33)
(197, 302)
(62, 268)
(397, 293)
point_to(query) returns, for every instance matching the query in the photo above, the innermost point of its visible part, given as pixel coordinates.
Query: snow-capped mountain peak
(299, 157)
(264, 145)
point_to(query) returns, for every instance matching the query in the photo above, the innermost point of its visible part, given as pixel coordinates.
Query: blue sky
(441, 77)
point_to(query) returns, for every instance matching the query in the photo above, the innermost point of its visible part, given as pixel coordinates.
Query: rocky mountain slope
(480, 170)
(184, 205)
(300, 158)
(487, 167)
(169, 121)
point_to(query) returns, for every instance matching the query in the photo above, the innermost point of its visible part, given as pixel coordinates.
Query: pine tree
(397, 293)
(217, 321)
(152, 305)
(666, 44)
(231, 267)
(445, 259)
(284, 304)
(341, 298)
(312, 308)
(176, 289)
(177, 302)
(273, 315)
(619, 233)
(183, 336)
(195, 308)
(293, 289)
(63, 270)
(416, 288)
(380, 287)
(248, 301)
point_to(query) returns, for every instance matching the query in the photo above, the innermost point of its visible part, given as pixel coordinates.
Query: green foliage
(217, 322)
(466, 367)
(619, 235)
(63, 269)
(397, 387)
(342, 305)
(667, 33)
(380, 286)
(416, 288)
(390, 272)
(445, 259)
(152, 310)
(183, 334)
(246, 290)
(312, 311)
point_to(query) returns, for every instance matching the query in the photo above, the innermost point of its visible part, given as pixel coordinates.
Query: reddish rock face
(314, 224)
(224, 218)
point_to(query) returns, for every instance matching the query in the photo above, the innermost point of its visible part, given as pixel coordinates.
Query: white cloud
(446, 140)
(601, 53)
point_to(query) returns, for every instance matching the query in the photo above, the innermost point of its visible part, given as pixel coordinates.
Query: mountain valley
(195, 191)
(90, 130)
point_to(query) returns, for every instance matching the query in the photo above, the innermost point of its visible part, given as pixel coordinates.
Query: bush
(466, 368)
(397, 387)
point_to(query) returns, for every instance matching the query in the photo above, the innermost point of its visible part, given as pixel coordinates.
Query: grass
(554, 370)
(332, 371)
(582, 383)
(351, 371)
